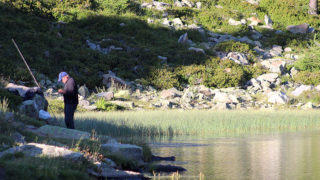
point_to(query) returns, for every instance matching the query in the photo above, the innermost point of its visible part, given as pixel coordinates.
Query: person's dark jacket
(70, 94)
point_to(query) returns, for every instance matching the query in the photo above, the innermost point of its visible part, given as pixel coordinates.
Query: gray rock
(299, 90)
(238, 58)
(233, 22)
(28, 108)
(199, 5)
(293, 71)
(126, 150)
(64, 133)
(84, 91)
(39, 150)
(106, 95)
(183, 38)
(221, 97)
(270, 77)
(221, 106)
(18, 138)
(126, 104)
(254, 2)
(268, 21)
(84, 103)
(308, 105)
(110, 80)
(187, 3)
(22, 90)
(170, 93)
(287, 49)
(277, 97)
(44, 115)
(276, 50)
(177, 22)
(8, 116)
(274, 65)
(197, 50)
(302, 28)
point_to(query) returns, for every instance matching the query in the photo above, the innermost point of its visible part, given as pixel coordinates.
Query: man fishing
(70, 96)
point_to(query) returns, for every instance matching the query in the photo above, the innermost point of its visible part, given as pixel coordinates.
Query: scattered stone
(110, 80)
(84, 103)
(221, 106)
(84, 91)
(293, 71)
(170, 93)
(254, 2)
(64, 133)
(288, 49)
(106, 95)
(276, 51)
(302, 28)
(274, 65)
(18, 138)
(39, 150)
(238, 58)
(222, 97)
(122, 24)
(126, 150)
(308, 105)
(199, 5)
(254, 21)
(270, 77)
(177, 22)
(299, 90)
(126, 104)
(268, 21)
(197, 50)
(233, 22)
(277, 97)
(44, 115)
(183, 38)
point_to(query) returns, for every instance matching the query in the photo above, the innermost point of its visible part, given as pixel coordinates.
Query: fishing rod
(25, 62)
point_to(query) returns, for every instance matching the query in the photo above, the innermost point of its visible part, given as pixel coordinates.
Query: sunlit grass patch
(174, 123)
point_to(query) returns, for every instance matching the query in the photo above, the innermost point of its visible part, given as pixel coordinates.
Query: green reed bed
(175, 122)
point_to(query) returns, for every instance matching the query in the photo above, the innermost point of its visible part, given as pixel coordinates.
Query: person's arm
(69, 88)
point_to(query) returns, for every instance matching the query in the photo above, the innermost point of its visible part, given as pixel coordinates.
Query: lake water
(271, 157)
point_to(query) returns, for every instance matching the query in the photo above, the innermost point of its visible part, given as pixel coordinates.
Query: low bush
(103, 105)
(13, 101)
(309, 78)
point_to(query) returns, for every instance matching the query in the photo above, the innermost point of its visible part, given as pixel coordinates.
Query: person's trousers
(69, 110)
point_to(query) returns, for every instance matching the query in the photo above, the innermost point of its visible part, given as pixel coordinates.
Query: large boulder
(170, 93)
(270, 77)
(277, 97)
(302, 28)
(64, 133)
(274, 65)
(84, 91)
(126, 150)
(39, 150)
(238, 58)
(106, 95)
(222, 97)
(299, 90)
(110, 80)
(32, 108)
(23, 91)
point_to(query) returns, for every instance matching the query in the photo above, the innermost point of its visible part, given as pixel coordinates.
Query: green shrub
(114, 6)
(235, 46)
(309, 78)
(102, 104)
(310, 62)
(13, 101)
(163, 78)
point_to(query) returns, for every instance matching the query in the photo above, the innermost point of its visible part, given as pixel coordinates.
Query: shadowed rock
(126, 150)
(38, 150)
(64, 133)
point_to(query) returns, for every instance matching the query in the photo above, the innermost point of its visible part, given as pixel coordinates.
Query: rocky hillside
(258, 47)
(163, 44)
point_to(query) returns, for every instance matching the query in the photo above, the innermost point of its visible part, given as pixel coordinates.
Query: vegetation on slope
(51, 46)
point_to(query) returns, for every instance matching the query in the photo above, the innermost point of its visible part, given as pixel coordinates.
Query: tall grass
(202, 123)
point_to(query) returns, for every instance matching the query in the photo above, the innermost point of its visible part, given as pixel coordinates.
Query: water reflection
(279, 156)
